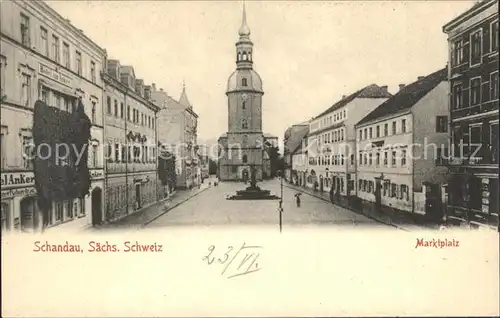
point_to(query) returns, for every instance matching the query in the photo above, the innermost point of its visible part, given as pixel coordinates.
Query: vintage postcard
(249, 158)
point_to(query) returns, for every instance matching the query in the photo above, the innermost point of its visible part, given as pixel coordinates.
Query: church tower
(244, 144)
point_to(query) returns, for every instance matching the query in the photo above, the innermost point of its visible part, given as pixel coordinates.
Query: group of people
(216, 182)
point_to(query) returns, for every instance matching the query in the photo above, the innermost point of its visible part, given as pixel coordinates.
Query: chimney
(147, 92)
(401, 86)
(384, 89)
(153, 87)
(421, 78)
(139, 87)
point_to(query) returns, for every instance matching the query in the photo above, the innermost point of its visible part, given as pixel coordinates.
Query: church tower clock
(244, 144)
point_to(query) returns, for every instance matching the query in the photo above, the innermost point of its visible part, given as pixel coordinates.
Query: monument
(253, 192)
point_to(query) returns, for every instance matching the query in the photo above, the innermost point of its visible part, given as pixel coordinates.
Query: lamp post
(280, 209)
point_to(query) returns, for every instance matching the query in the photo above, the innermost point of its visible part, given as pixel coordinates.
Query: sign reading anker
(54, 74)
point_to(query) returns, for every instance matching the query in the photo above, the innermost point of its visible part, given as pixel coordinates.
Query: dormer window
(244, 82)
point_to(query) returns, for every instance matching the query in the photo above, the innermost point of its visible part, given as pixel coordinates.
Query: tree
(275, 158)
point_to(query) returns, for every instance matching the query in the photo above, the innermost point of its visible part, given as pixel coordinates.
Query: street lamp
(280, 209)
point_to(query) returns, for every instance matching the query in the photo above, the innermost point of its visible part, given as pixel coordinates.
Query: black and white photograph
(336, 146)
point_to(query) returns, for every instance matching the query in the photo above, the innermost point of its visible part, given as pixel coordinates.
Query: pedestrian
(209, 183)
(297, 199)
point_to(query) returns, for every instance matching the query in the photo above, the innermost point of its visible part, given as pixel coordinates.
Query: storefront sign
(21, 192)
(96, 174)
(17, 179)
(54, 74)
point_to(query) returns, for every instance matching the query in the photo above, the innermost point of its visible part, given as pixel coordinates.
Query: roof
(370, 91)
(477, 6)
(235, 81)
(408, 96)
(183, 99)
(295, 140)
(127, 69)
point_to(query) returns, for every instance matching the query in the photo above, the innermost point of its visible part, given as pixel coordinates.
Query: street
(212, 208)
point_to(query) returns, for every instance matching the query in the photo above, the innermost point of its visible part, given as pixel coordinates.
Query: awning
(57, 87)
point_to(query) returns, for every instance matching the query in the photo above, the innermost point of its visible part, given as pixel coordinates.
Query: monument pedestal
(253, 192)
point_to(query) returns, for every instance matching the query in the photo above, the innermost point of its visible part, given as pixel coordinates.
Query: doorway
(433, 202)
(244, 175)
(29, 214)
(96, 198)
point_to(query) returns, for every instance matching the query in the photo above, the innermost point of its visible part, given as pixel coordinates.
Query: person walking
(297, 199)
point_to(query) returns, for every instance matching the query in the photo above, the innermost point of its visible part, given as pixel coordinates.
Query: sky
(308, 53)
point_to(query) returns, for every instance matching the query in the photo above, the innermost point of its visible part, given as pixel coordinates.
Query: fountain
(253, 192)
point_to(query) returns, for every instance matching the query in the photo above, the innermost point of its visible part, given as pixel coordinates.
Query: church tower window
(244, 81)
(244, 124)
(245, 159)
(244, 56)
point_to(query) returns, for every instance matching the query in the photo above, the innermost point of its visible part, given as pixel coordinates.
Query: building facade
(44, 57)
(242, 148)
(332, 141)
(292, 140)
(178, 132)
(402, 148)
(474, 100)
(300, 163)
(131, 142)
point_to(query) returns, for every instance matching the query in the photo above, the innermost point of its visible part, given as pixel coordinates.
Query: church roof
(253, 81)
(184, 99)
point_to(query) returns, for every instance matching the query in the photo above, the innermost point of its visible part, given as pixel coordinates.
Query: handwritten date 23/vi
(237, 262)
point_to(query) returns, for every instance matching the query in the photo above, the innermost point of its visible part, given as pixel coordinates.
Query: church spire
(244, 29)
(183, 100)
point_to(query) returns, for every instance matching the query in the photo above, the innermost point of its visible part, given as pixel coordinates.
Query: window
(94, 119)
(366, 133)
(45, 95)
(108, 104)
(244, 82)
(341, 134)
(371, 132)
(457, 57)
(394, 190)
(475, 141)
(244, 124)
(5, 214)
(2, 148)
(385, 158)
(117, 153)
(404, 192)
(128, 113)
(370, 159)
(494, 142)
(386, 129)
(3, 65)
(26, 89)
(494, 85)
(245, 159)
(403, 157)
(45, 42)
(94, 156)
(116, 108)
(66, 55)
(393, 127)
(59, 211)
(360, 159)
(494, 36)
(25, 30)
(68, 206)
(124, 153)
(475, 91)
(378, 131)
(360, 134)
(57, 100)
(441, 124)
(403, 126)
(68, 104)
(441, 156)
(92, 72)
(457, 101)
(476, 40)
(243, 104)
(78, 63)
(393, 158)
(377, 160)
(55, 49)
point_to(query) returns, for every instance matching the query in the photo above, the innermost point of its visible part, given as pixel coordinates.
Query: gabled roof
(183, 99)
(370, 91)
(408, 96)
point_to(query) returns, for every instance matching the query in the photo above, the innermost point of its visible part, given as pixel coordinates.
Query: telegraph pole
(281, 202)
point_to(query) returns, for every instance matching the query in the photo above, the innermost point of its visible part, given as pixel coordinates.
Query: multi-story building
(402, 148)
(131, 142)
(474, 100)
(178, 131)
(300, 163)
(44, 57)
(332, 140)
(292, 139)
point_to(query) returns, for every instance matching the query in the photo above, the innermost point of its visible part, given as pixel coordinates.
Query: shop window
(5, 216)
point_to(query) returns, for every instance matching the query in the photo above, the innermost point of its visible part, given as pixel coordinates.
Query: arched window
(245, 159)
(244, 82)
(244, 124)
(245, 57)
(249, 56)
(243, 104)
